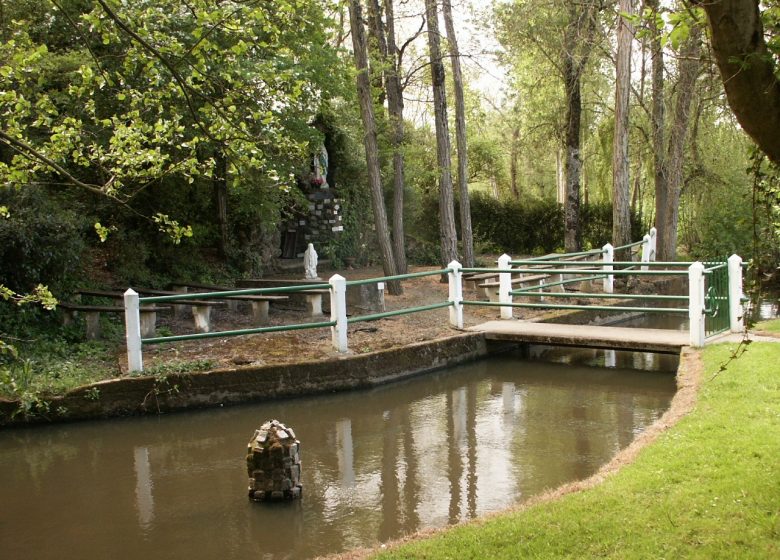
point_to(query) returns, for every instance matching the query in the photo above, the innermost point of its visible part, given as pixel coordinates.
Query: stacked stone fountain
(273, 463)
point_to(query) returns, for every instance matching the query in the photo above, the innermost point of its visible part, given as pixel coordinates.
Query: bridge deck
(618, 338)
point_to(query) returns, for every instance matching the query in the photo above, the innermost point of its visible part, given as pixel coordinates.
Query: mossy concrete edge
(129, 396)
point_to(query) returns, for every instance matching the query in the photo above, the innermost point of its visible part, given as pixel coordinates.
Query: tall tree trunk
(577, 44)
(467, 238)
(447, 233)
(395, 106)
(219, 182)
(370, 141)
(560, 178)
(688, 72)
(658, 124)
(514, 168)
(621, 185)
(572, 163)
(747, 68)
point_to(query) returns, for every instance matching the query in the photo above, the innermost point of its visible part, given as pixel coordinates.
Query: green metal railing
(397, 312)
(718, 318)
(227, 294)
(288, 289)
(716, 282)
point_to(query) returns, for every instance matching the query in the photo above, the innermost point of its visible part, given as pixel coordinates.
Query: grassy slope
(708, 488)
(770, 326)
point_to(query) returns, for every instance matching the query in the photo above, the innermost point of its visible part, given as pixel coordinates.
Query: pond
(377, 464)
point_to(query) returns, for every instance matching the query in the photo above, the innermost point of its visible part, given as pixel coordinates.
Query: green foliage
(53, 366)
(533, 227)
(136, 92)
(769, 326)
(41, 239)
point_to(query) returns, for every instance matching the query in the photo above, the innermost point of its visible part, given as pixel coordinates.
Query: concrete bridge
(614, 338)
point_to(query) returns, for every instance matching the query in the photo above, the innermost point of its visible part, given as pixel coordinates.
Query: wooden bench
(92, 317)
(259, 303)
(520, 280)
(201, 308)
(312, 297)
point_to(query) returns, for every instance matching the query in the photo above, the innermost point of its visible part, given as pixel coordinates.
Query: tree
(466, 235)
(668, 201)
(748, 68)
(578, 39)
(621, 210)
(447, 233)
(118, 100)
(389, 58)
(657, 116)
(370, 142)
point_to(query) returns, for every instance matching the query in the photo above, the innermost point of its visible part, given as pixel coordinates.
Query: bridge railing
(338, 323)
(709, 295)
(713, 303)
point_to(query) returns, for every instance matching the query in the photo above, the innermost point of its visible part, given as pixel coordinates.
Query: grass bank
(772, 325)
(708, 488)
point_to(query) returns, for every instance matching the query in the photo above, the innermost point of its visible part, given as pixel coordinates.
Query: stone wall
(150, 395)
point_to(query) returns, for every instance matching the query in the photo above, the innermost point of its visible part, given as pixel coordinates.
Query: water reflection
(143, 487)
(376, 464)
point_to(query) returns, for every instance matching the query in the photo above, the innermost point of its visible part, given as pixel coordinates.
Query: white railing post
(608, 257)
(505, 285)
(455, 277)
(653, 239)
(338, 312)
(645, 250)
(135, 361)
(696, 303)
(736, 312)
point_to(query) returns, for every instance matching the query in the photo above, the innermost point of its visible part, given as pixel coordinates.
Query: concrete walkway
(617, 338)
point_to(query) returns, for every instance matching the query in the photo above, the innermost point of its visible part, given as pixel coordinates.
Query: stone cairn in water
(273, 463)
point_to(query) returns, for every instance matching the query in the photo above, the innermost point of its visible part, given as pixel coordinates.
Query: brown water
(377, 464)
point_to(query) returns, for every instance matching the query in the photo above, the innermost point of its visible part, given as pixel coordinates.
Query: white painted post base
(505, 286)
(645, 250)
(148, 323)
(133, 332)
(696, 304)
(201, 315)
(338, 312)
(736, 311)
(608, 257)
(653, 241)
(455, 278)
(314, 304)
(259, 312)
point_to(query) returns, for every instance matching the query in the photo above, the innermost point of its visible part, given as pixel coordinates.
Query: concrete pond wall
(129, 396)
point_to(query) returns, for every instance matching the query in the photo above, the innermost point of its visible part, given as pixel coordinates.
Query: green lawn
(772, 325)
(708, 488)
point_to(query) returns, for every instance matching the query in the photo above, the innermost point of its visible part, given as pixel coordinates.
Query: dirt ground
(315, 344)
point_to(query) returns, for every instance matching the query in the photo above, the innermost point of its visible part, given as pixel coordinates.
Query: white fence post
(338, 312)
(135, 361)
(736, 312)
(505, 285)
(455, 278)
(696, 303)
(609, 279)
(645, 250)
(653, 239)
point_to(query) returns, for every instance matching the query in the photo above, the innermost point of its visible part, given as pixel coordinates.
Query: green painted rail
(604, 296)
(532, 289)
(399, 277)
(397, 312)
(217, 334)
(246, 292)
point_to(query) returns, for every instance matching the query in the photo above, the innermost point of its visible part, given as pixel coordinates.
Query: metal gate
(716, 298)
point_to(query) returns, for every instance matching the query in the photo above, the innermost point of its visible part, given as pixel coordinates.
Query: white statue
(310, 263)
